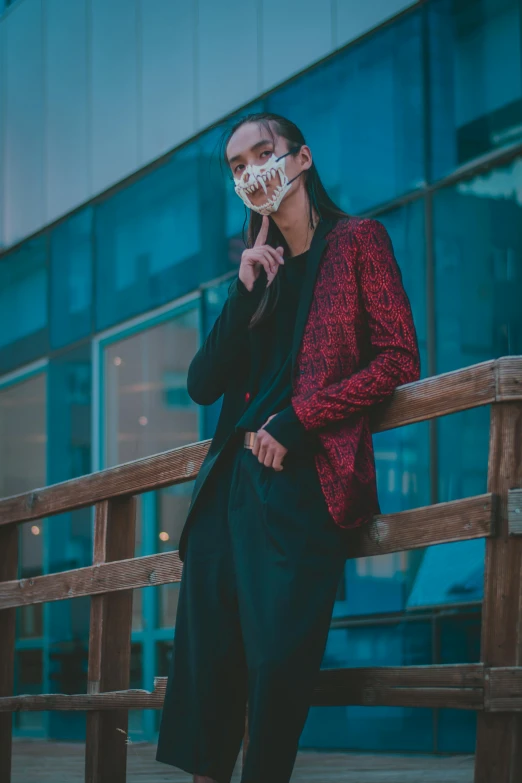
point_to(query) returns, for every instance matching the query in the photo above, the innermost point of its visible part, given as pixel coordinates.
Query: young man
(317, 329)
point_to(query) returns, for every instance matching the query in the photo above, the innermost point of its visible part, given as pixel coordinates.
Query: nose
(247, 176)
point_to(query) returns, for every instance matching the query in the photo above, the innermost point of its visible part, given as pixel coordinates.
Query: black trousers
(262, 566)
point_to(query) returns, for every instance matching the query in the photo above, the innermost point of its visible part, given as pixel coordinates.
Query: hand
(267, 449)
(260, 255)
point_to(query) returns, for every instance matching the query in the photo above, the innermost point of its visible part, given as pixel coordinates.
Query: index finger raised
(263, 232)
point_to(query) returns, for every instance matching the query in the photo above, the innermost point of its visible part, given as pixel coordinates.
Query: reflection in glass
(476, 79)
(23, 304)
(361, 113)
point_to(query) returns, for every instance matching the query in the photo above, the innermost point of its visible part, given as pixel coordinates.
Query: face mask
(254, 177)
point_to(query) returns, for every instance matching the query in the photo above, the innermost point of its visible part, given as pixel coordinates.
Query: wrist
(252, 289)
(243, 287)
(286, 428)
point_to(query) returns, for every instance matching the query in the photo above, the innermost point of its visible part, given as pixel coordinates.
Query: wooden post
(498, 757)
(109, 645)
(8, 572)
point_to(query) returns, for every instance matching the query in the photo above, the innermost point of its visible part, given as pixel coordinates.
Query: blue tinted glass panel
(23, 304)
(362, 115)
(476, 79)
(478, 244)
(449, 574)
(71, 276)
(149, 241)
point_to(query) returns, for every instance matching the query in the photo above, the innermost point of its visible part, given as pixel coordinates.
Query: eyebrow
(255, 146)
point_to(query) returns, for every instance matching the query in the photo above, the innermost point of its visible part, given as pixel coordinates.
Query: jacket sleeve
(226, 346)
(393, 338)
(286, 428)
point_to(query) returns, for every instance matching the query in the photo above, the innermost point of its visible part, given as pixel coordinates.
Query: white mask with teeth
(254, 177)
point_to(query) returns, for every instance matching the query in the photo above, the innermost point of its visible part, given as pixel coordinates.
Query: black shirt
(271, 390)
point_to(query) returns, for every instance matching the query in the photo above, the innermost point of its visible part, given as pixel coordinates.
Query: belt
(249, 439)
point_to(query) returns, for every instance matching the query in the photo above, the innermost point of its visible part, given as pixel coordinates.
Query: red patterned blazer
(354, 342)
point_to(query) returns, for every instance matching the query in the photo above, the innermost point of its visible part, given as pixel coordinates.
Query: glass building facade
(418, 124)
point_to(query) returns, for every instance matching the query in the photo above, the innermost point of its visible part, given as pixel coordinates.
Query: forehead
(247, 136)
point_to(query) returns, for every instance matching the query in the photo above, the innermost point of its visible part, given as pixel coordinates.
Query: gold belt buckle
(249, 439)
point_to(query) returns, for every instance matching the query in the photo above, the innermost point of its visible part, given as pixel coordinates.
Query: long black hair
(318, 198)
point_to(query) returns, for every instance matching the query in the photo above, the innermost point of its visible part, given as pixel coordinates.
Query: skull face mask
(254, 177)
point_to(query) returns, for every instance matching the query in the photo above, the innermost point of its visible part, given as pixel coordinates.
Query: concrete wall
(92, 90)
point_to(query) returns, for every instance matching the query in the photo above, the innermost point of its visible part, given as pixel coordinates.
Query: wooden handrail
(469, 686)
(492, 687)
(458, 520)
(497, 380)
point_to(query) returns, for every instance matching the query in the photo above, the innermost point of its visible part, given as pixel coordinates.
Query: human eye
(238, 168)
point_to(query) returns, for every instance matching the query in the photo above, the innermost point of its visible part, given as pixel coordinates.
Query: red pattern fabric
(358, 345)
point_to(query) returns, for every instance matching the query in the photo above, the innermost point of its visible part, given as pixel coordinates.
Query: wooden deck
(54, 762)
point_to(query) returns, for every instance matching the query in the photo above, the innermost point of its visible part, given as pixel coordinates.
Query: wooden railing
(493, 687)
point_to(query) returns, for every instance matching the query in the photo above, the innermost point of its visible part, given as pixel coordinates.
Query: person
(316, 331)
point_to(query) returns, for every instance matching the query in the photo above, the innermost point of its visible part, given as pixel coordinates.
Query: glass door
(144, 409)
